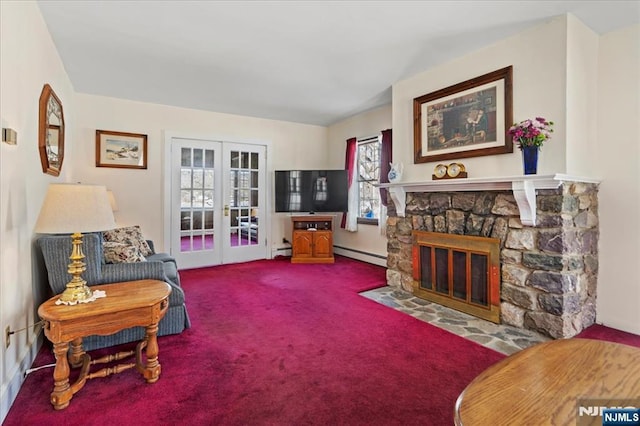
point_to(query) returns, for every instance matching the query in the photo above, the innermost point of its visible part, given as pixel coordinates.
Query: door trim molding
(166, 179)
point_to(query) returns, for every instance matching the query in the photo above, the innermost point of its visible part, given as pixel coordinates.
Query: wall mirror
(51, 132)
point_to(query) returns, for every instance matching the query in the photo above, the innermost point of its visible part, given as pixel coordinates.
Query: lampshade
(112, 201)
(70, 208)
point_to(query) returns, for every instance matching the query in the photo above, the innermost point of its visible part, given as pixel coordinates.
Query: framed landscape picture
(469, 119)
(120, 149)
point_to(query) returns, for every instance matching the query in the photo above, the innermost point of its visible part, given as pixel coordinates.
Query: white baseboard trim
(11, 387)
(373, 258)
(625, 326)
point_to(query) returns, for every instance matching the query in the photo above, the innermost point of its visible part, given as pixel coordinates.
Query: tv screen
(311, 191)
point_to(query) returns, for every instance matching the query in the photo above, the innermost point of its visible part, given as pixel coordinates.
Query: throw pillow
(121, 253)
(130, 235)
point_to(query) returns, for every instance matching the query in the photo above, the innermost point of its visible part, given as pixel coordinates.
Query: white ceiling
(314, 62)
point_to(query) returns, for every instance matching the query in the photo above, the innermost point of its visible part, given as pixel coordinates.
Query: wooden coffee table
(128, 304)
(542, 384)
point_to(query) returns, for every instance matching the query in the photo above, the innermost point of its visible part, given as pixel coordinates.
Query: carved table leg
(151, 371)
(62, 393)
(77, 353)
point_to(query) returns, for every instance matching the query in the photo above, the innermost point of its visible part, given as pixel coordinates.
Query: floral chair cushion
(121, 253)
(130, 235)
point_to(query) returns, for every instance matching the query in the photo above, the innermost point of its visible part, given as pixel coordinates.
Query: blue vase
(530, 159)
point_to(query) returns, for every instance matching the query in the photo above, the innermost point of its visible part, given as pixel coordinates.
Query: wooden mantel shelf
(523, 187)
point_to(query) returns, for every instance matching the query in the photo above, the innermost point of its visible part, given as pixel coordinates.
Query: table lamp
(112, 201)
(74, 209)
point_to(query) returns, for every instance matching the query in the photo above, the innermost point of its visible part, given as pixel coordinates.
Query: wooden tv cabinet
(312, 240)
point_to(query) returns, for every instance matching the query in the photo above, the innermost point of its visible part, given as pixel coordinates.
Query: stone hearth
(548, 271)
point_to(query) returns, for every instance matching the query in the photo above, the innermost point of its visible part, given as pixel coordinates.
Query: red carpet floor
(599, 332)
(279, 344)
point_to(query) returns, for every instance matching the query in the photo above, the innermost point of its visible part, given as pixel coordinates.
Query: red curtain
(350, 156)
(386, 157)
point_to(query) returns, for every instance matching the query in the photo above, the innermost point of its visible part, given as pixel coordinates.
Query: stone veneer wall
(548, 272)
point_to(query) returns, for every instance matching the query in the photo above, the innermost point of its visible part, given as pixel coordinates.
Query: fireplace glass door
(462, 272)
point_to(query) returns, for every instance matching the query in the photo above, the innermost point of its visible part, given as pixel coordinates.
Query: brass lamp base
(71, 295)
(77, 290)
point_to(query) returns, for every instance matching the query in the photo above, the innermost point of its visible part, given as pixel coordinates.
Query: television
(311, 191)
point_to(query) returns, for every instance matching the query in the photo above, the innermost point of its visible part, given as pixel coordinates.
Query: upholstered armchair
(157, 266)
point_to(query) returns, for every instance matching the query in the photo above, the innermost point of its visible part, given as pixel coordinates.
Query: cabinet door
(322, 244)
(302, 244)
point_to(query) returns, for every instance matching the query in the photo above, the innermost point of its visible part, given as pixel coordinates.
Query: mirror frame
(48, 98)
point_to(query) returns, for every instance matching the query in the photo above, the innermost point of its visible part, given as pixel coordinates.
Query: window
(368, 175)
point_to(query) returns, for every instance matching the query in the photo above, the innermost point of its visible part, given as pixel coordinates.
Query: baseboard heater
(361, 252)
(281, 251)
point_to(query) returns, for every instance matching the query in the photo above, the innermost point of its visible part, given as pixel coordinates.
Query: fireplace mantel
(523, 187)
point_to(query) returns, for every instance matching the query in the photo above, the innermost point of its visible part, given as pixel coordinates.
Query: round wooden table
(542, 384)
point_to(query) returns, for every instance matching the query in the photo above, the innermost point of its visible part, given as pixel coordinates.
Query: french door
(217, 197)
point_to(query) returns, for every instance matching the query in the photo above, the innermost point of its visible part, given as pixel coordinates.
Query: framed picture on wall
(120, 149)
(468, 119)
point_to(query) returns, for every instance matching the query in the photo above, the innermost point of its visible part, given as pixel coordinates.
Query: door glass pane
(185, 220)
(208, 179)
(197, 220)
(197, 158)
(233, 200)
(198, 179)
(185, 160)
(208, 159)
(208, 219)
(208, 241)
(196, 199)
(208, 198)
(243, 198)
(185, 198)
(185, 178)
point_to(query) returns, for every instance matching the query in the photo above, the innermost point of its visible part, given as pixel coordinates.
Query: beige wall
(582, 89)
(539, 89)
(368, 240)
(139, 193)
(617, 154)
(28, 60)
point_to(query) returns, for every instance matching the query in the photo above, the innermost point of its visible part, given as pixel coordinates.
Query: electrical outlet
(7, 337)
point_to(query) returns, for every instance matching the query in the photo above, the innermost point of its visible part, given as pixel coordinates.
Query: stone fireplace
(548, 232)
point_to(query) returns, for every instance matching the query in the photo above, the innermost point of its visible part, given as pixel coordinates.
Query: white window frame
(376, 193)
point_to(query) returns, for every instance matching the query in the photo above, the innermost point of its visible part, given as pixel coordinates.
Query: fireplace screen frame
(454, 243)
